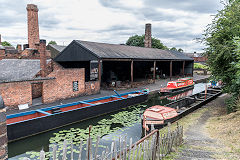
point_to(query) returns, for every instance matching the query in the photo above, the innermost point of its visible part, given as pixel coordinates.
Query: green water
(125, 123)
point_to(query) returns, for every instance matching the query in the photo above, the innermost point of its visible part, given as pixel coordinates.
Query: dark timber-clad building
(112, 62)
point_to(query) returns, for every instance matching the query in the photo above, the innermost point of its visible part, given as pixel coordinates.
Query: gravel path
(198, 144)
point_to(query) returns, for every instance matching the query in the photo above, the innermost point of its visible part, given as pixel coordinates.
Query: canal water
(125, 123)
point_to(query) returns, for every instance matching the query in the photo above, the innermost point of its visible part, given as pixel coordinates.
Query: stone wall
(16, 93)
(62, 86)
(3, 132)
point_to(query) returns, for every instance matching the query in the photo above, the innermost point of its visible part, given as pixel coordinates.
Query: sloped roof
(18, 69)
(57, 47)
(105, 50)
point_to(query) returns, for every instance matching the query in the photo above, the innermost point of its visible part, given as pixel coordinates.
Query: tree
(5, 43)
(52, 42)
(180, 50)
(137, 40)
(221, 48)
(173, 49)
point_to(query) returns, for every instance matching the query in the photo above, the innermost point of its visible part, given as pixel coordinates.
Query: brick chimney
(33, 28)
(148, 36)
(19, 47)
(3, 131)
(43, 58)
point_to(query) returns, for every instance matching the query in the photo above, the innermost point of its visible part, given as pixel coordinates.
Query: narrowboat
(33, 122)
(178, 85)
(159, 116)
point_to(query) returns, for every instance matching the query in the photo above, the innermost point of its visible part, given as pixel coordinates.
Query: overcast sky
(175, 22)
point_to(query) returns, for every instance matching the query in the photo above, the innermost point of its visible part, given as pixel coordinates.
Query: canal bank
(153, 89)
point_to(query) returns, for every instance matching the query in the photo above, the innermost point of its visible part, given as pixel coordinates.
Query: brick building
(29, 81)
(29, 76)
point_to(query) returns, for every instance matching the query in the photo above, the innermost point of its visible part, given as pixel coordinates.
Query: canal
(125, 123)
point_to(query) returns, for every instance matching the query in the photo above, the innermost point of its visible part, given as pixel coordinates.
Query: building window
(75, 86)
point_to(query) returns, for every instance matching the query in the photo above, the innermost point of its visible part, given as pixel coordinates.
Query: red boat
(157, 116)
(181, 95)
(177, 85)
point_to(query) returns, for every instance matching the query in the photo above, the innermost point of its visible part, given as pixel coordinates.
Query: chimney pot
(43, 41)
(19, 47)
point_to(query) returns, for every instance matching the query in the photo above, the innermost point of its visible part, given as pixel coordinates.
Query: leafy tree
(222, 46)
(5, 43)
(173, 49)
(180, 50)
(52, 42)
(137, 40)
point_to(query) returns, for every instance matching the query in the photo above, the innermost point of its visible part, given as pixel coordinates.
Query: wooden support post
(183, 68)
(131, 71)
(171, 70)
(154, 71)
(99, 71)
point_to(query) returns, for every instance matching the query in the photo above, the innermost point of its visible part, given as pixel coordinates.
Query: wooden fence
(154, 146)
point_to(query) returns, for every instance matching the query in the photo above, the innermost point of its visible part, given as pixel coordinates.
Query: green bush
(200, 66)
(233, 104)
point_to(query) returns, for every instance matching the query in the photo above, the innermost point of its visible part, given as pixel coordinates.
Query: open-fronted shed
(122, 62)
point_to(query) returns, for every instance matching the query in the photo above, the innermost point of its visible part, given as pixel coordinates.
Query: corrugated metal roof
(104, 50)
(18, 69)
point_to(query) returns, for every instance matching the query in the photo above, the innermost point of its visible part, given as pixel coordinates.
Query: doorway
(37, 89)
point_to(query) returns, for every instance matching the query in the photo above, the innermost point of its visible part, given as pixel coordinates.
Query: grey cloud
(201, 6)
(117, 28)
(49, 22)
(12, 13)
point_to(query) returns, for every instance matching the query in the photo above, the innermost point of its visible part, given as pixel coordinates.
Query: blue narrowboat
(33, 122)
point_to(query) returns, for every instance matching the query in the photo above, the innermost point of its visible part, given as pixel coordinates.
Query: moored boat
(178, 85)
(157, 115)
(33, 122)
(154, 117)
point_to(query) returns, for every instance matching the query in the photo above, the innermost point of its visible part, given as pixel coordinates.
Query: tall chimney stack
(148, 36)
(43, 57)
(33, 28)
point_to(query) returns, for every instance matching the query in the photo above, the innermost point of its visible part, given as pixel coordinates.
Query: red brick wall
(62, 86)
(16, 93)
(2, 54)
(37, 90)
(3, 135)
(92, 87)
(200, 59)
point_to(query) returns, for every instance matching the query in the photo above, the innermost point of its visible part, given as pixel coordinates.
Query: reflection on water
(124, 123)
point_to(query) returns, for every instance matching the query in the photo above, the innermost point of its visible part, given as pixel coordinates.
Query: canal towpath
(153, 88)
(198, 144)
